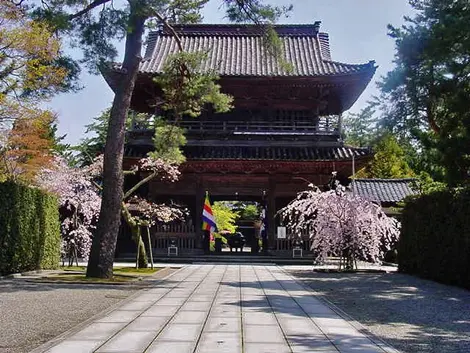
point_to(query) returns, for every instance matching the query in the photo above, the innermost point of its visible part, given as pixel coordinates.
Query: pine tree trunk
(103, 247)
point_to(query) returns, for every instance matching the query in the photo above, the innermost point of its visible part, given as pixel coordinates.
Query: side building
(283, 133)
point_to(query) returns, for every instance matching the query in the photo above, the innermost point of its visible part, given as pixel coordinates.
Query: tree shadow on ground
(22, 285)
(412, 314)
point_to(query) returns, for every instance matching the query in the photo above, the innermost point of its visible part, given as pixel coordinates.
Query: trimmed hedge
(29, 229)
(435, 237)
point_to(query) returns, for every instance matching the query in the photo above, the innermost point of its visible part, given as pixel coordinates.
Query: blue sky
(357, 29)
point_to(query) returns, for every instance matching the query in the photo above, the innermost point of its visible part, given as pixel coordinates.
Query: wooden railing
(183, 228)
(288, 244)
(181, 235)
(243, 127)
(322, 125)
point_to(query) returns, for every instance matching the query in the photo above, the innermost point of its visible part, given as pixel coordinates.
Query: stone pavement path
(221, 309)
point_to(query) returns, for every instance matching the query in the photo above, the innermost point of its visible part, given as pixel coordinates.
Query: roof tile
(383, 190)
(239, 51)
(260, 153)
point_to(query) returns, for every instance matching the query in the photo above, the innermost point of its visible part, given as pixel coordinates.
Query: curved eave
(366, 71)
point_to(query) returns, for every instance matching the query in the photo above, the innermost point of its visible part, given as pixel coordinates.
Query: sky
(357, 30)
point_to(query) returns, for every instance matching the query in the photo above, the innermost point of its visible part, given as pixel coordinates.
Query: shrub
(435, 239)
(29, 229)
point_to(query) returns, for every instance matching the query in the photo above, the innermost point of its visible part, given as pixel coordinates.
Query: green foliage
(435, 237)
(168, 140)
(360, 129)
(424, 184)
(29, 229)
(90, 147)
(389, 161)
(255, 11)
(250, 212)
(186, 91)
(225, 216)
(426, 96)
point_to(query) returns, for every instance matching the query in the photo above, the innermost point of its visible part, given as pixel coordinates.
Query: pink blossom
(340, 222)
(79, 202)
(165, 171)
(151, 212)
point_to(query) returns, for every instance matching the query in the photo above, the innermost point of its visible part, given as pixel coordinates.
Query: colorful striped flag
(208, 220)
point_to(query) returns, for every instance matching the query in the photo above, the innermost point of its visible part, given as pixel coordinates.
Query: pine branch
(90, 7)
(169, 27)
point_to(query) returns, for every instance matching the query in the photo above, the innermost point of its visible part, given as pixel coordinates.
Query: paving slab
(221, 309)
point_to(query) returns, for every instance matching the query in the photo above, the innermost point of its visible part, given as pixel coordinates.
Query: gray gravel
(411, 314)
(33, 313)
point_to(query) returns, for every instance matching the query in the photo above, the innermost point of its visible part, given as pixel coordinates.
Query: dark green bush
(435, 237)
(29, 229)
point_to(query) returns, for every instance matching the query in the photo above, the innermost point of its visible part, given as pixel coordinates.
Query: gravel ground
(34, 313)
(412, 314)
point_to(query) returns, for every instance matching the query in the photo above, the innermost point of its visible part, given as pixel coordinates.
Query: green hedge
(29, 229)
(435, 237)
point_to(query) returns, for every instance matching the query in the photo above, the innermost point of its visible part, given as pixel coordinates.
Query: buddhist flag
(208, 220)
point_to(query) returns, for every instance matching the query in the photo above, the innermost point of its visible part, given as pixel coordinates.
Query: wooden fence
(181, 235)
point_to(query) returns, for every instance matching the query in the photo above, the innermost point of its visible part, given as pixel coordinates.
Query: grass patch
(139, 271)
(117, 270)
(125, 271)
(72, 268)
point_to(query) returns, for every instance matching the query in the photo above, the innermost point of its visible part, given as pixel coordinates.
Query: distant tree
(248, 210)
(225, 216)
(28, 147)
(389, 161)
(426, 96)
(93, 143)
(341, 224)
(31, 66)
(360, 129)
(32, 69)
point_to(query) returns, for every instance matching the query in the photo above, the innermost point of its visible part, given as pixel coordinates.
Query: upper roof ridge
(203, 29)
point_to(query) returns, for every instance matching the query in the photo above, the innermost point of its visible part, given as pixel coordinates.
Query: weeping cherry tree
(341, 224)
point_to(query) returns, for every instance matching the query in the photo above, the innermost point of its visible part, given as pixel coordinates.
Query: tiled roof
(262, 153)
(238, 50)
(383, 190)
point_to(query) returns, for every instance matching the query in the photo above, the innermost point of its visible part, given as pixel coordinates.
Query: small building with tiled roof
(386, 192)
(284, 131)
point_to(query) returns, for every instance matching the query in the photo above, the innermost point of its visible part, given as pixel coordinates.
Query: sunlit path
(223, 308)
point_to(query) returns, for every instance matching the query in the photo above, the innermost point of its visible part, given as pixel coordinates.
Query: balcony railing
(329, 125)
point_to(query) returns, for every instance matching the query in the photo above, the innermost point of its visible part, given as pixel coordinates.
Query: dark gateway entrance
(283, 133)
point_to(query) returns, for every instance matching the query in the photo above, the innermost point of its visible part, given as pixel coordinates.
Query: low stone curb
(53, 342)
(21, 274)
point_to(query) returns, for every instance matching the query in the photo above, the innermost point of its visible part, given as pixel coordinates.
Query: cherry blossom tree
(79, 202)
(341, 224)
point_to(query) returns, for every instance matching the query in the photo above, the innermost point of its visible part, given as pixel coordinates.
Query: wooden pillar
(199, 196)
(340, 124)
(271, 213)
